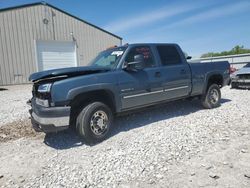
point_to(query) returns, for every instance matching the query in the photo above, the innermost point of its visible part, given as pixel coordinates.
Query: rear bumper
(50, 119)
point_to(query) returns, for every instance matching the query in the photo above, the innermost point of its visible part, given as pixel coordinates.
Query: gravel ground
(176, 145)
(13, 103)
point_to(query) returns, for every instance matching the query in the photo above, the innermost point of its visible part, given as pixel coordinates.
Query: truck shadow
(69, 139)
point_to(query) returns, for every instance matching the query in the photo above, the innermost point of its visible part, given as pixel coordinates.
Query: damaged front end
(241, 81)
(45, 115)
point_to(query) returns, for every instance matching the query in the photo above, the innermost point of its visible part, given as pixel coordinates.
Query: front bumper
(241, 83)
(51, 119)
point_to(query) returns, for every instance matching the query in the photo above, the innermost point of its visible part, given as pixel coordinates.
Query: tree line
(235, 50)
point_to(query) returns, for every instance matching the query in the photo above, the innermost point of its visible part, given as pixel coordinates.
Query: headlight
(42, 102)
(43, 94)
(44, 88)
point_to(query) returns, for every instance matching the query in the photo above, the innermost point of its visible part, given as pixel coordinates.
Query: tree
(235, 50)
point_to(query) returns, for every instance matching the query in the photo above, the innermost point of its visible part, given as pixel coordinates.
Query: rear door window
(169, 55)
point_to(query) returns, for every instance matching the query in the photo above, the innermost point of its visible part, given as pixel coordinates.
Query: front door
(144, 86)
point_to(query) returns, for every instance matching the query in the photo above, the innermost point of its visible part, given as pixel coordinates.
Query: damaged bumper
(51, 119)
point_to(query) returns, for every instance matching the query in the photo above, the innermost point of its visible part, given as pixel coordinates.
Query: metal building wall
(237, 61)
(21, 28)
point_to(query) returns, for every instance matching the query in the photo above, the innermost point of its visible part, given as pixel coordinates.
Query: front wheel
(94, 122)
(212, 97)
(233, 85)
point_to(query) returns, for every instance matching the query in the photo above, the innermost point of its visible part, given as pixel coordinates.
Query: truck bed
(200, 71)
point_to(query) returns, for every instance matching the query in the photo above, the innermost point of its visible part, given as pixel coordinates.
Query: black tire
(233, 85)
(87, 122)
(212, 98)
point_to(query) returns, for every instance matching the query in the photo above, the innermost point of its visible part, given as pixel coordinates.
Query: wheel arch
(80, 100)
(215, 78)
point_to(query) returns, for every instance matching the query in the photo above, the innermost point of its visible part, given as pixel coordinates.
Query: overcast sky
(198, 26)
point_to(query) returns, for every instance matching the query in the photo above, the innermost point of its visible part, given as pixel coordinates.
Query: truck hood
(244, 70)
(66, 72)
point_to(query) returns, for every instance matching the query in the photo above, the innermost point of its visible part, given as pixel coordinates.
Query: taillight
(232, 69)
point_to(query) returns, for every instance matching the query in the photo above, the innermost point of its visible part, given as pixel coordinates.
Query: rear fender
(207, 78)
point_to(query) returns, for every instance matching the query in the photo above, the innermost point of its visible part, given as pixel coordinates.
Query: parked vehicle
(119, 80)
(241, 78)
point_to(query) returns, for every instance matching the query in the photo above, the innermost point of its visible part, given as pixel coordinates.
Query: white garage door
(54, 54)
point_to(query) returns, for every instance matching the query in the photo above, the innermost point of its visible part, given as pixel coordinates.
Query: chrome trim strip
(153, 92)
(172, 89)
(142, 94)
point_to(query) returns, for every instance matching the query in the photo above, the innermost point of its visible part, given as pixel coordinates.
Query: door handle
(183, 71)
(158, 74)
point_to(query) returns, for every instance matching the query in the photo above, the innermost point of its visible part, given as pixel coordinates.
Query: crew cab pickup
(121, 79)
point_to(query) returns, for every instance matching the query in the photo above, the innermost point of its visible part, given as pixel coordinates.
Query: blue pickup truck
(121, 79)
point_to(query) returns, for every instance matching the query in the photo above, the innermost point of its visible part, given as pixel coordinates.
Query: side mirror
(139, 58)
(136, 65)
(188, 57)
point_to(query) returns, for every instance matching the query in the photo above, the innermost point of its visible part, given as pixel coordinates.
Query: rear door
(144, 86)
(175, 72)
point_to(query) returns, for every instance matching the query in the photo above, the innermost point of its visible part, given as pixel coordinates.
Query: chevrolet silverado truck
(120, 79)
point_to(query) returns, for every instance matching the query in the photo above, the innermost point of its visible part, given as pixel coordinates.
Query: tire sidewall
(83, 124)
(208, 102)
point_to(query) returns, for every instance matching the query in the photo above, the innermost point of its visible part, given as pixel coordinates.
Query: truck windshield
(108, 58)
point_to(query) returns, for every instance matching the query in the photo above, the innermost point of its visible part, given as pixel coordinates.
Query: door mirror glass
(138, 58)
(136, 65)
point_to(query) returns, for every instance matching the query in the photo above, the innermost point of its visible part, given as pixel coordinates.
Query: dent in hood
(66, 72)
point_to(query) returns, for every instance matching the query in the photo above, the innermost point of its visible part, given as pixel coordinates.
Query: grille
(244, 76)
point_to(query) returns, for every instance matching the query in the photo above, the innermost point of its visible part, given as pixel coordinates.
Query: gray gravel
(177, 145)
(13, 103)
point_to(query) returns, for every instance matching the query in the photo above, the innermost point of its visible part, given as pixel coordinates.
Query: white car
(241, 78)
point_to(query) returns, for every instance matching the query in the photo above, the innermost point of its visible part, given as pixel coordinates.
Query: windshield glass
(108, 58)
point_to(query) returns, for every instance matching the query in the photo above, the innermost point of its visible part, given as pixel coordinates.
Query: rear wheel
(94, 122)
(212, 97)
